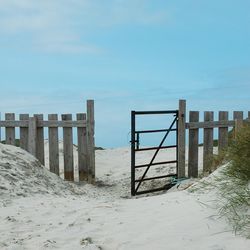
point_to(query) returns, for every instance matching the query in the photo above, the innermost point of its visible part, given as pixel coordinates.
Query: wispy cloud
(234, 77)
(63, 26)
(226, 89)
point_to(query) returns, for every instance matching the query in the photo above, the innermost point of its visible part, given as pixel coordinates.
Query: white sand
(40, 211)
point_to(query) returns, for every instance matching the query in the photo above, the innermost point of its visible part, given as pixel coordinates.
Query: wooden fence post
(10, 131)
(40, 140)
(181, 138)
(193, 146)
(82, 149)
(24, 133)
(223, 132)
(32, 136)
(53, 146)
(208, 144)
(68, 150)
(91, 141)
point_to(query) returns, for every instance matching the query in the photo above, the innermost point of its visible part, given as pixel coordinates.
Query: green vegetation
(232, 183)
(236, 189)
(239, 154)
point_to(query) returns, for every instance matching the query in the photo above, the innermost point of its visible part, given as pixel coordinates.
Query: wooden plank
(32, 136)
(24, 132)
(82, 149)
(181, 138)
(64, 124)
(238, 126)
(193, 146)
(14, 123)
(10, 131)
(223, 133)
(238, 117)
(208, 144)
(39, 140)
(53, 146)
(68, 150)
(211, 124)
(91, 141)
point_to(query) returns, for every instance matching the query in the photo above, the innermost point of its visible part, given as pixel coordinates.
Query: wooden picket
(53, 146)
(208, 143)
(40, 140)
(193, 146)
(10, 130)
(24, 132)
(223, 133)
(68, 150)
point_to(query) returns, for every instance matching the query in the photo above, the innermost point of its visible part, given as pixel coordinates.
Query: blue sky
(133, 54)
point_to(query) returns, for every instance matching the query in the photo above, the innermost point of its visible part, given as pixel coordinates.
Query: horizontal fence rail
(31, 130)
(43, 124)
(210, 124)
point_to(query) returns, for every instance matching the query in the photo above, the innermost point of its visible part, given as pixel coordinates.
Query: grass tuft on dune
(237, 189)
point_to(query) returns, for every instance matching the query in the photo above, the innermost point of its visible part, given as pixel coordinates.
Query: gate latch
(137, 141)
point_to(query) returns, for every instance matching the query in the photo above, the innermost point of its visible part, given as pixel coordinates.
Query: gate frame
(135, 147)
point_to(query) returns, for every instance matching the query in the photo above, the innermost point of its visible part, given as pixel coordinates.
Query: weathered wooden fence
(208, 125)
(32, 140)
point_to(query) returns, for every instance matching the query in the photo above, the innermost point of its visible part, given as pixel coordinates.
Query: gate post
(132, 153)
(91, 141)
(181, 138)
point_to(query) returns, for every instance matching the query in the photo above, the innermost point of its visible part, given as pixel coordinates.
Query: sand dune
(38, 210)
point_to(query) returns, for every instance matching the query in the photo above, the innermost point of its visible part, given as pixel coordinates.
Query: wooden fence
(208, 125)
(32, 140)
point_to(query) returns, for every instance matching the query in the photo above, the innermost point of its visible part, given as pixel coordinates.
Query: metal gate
(139, 171)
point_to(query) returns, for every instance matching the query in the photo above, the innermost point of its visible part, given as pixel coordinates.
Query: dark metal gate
(142, 170)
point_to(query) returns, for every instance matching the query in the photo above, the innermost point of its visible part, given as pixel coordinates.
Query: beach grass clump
(239, 155)
(236, 185)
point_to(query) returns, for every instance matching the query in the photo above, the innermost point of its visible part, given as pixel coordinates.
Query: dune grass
(236, 190)
(232, 183)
